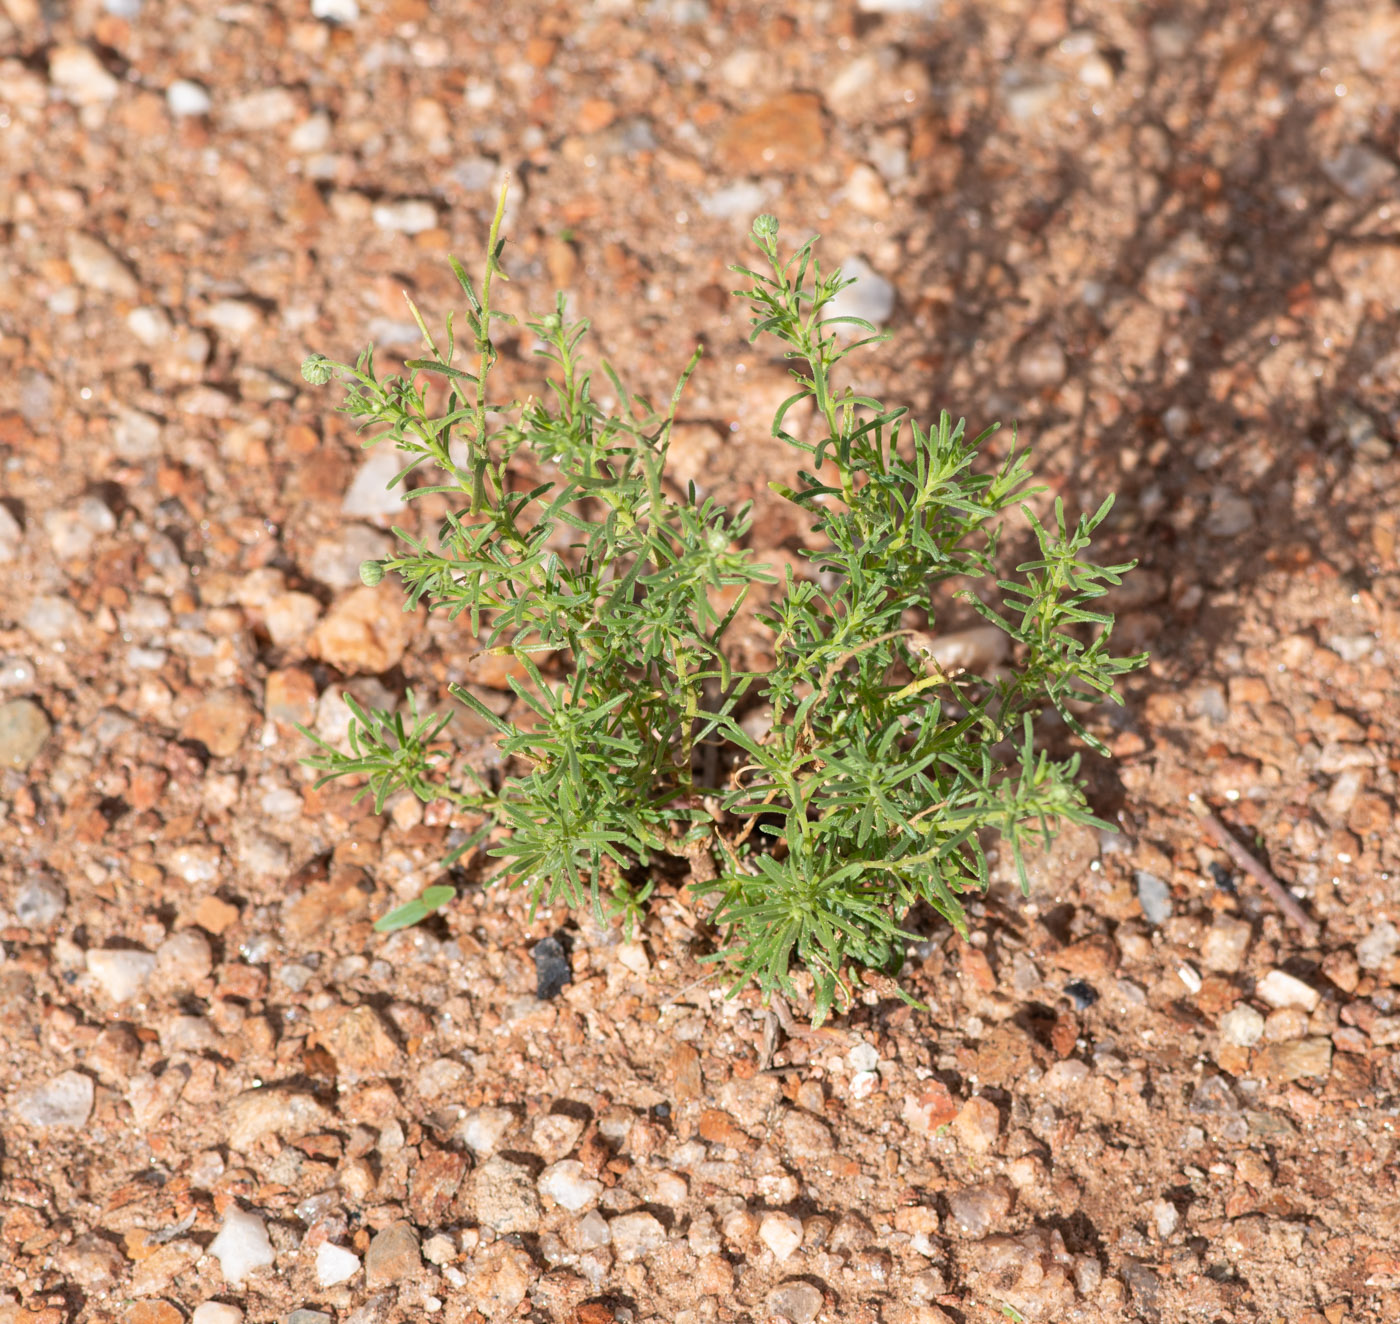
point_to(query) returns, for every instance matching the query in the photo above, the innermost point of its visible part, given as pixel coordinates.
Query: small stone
(1377, 948)
(214, 915)
(11, 535)
(63, 1103)
(335, 11)
(272, 1110)
(1284, 1023)
(741, 200)
(433, 1183)
(369, 493)
(187, 98)
(977, 1125)
(290, 696)
(806, 1137)
(40, 902)
(1166, 1218)
(935, 1107)
(1280, 989)
(152, 1312)
(1154, 896)
(1042, 365)
(784, 133)
(1294, 1060)
(482, 1129)
(505, 1197)
(80, 76)
(242, 1246)
(392, 1256)
(1225, 944)
(1242, 1026)
(220, 722)
(361, 1045)
(216, 1312)
(1089, 958)
(796, 1302)
(407, 216)
(50, 617)
(96, 267)
(366, 632)
(1359, 171)
(977, 1209)
(568, 1184)
(336, 561)
(305, 1316)
(183, 960)
(636, 1235)
(781, 1233)
(499, 1280)
(122, 973)
(75, 531)
(24, 729)
(1229, 515)
(552, 968)
(871, 298)
(555, 1135)
(264, 109)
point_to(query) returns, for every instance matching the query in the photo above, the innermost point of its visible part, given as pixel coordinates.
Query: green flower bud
(317, 369)
(371, 572)
(765, 227)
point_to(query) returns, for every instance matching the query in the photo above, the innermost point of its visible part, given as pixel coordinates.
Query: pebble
(135, 436)
(785, 133)
(216, 1312)
(81, 76)
(184, 959)
(219, 722)
(123, 973)
(482, 1129)
(40, 901)
(1225, 944)
(977, 1125)
(552, 968)
(795, 1301)
(336, 561)
(1295, 1059)
(392, 1256)
(1030, 1271)
(65, 1102)
(73, 533)
(187, 98)
(1154, 896)
(505, 1197)
(407, 216)
(804, 1136)
(365, 632)
(24, 728)
(50, 617)
(781, 1233)
(369, 493)
(1280, 989)
(242, 1246)
(568, 1184)
(96, 267)
(1165, 1217)
(636, 1235)
(1242, 1026)
(871, 298)
(1359, 172)
(555, 1135)
(1377, 948)
(335, 11)
(362, 1045)
(1042, 365)
(740, 201)
(1230, 514)
(264, 109)
(304, 1316)
(272, 1110)
(500, 1279)
(977, 1209)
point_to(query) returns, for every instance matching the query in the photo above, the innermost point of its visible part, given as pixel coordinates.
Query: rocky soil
(1164, 238)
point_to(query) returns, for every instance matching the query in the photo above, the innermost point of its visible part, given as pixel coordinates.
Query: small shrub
(880, 769)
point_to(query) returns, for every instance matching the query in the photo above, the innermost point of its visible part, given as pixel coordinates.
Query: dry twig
(1276, 891)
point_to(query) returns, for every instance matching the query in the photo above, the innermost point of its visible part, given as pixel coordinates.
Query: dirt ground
(1163, 238)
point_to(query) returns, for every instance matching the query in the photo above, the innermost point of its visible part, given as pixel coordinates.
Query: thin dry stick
(1277, 892)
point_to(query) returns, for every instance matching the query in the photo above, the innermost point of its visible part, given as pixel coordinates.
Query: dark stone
(552, 968)
(1081, 994)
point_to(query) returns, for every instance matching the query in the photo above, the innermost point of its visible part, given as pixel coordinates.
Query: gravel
(242, 1246)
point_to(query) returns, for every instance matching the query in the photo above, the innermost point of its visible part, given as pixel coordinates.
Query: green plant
(868, 792)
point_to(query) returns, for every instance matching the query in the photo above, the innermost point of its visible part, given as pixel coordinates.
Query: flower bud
(371, 572)
(317, 369)
(765, 226)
